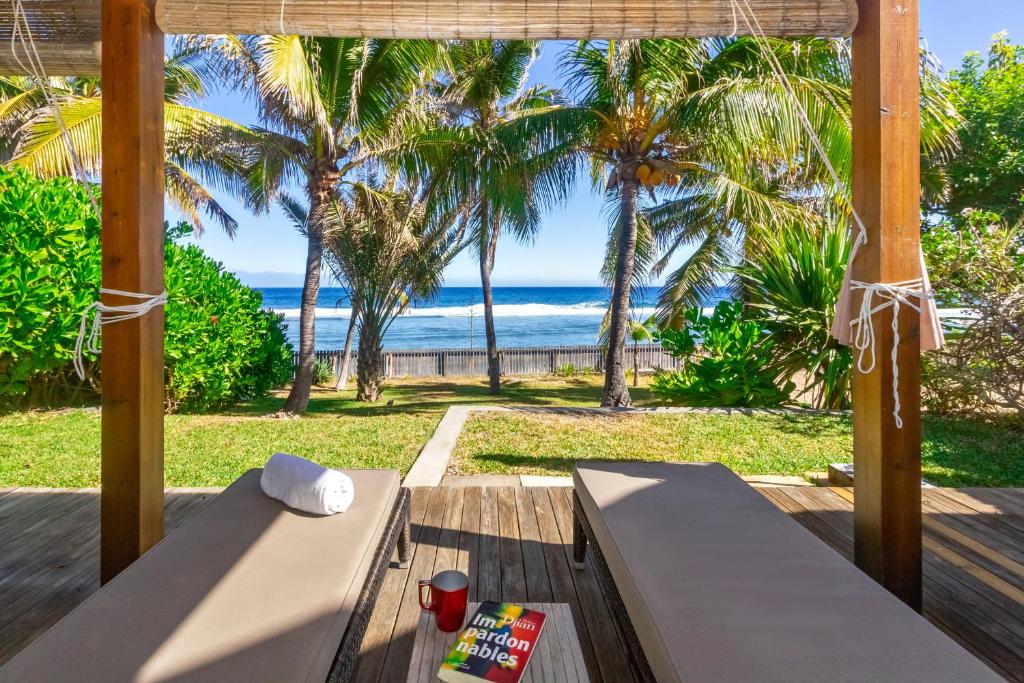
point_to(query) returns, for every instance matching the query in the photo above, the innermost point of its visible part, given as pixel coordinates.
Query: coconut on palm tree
(695, 120)
(492, 153)
(389, 252)
(329, 107)
(203, 150)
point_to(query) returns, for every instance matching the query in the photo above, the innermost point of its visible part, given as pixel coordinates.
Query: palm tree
(793, 275)
(656, 114)
(203, 149)
(389, 252)
(640, 331)
(329, 107)
(718, 221)
(492, 154)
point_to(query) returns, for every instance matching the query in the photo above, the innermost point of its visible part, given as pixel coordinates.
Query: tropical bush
(49, 274)
(730, 361)
(220, 345)
(792, 276)
(978, 263)
(988, 170)
(323, 375)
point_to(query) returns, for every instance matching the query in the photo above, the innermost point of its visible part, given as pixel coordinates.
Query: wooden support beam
(133, 238)
(886, 193)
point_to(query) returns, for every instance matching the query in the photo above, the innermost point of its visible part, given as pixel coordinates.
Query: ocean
(523, 316)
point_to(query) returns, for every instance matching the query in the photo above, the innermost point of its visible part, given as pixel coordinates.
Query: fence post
(442, 358)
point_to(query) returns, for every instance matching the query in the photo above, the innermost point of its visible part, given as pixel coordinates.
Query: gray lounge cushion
(248, 590)
(721, 585)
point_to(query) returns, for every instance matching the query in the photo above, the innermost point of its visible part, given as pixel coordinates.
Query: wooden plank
(613, 665)
(886, 194)
(513, 575)
(451, 525)
(133, 247)
(377, 639)
(468, 561)
(538, 586)
(560, 571)
(964, 608)
(396, 663)
(489, 578)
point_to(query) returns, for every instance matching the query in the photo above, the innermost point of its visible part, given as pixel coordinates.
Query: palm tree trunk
(636, 363)
(320, 188)
(493, 361)
(370, 367)
(616, 392)
(298, 397)
(347, 355)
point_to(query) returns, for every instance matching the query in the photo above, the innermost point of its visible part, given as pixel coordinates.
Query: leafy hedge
(730, 361)
(220, 345)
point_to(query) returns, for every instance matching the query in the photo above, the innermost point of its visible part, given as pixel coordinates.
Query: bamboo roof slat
(67, 32)
(505, 19)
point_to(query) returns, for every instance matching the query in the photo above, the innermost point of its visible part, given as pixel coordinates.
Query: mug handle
(428, 606)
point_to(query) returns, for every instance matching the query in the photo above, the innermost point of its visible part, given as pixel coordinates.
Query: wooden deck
(514, 545)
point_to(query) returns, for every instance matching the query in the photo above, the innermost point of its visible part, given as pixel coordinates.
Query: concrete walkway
(431, 466)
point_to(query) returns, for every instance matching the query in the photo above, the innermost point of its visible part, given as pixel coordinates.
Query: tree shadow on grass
(438, 396)
(813, 425)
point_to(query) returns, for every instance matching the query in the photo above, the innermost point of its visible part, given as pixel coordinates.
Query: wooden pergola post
(133, 237)
(886, 193)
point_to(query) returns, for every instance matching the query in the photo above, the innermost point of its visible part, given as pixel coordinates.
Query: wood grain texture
(557, 659)
(49, 552)
(886, 193)
(505, 19)
(132, 362)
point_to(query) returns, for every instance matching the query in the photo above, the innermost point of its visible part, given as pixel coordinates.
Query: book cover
(495, 646)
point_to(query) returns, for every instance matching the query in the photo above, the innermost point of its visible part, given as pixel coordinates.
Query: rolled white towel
(306, 486)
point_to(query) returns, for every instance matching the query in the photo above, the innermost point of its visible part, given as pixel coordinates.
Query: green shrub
(49, 274)
(323, 375)
(570, 370)
(730, 361)
(792, 276)
(220, 345)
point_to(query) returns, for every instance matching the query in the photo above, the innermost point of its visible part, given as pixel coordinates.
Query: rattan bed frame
(581, 532)
(395, 535)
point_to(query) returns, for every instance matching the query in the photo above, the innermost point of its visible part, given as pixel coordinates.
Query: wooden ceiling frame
(886, 190)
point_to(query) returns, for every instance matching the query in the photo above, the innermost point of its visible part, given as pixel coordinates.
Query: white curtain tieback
(104, 314)
(888, 295)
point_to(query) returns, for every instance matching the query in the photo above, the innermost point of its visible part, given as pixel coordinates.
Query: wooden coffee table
(557, 659)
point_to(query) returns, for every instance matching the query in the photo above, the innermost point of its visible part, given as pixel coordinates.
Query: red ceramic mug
(446, 596)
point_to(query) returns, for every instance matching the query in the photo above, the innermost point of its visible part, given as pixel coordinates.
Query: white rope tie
(22, 33)
(892, 295)
(104, 314)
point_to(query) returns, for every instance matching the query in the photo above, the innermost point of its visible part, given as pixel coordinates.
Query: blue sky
(570, 247)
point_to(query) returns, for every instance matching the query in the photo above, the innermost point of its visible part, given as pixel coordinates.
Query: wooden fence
(514, 361)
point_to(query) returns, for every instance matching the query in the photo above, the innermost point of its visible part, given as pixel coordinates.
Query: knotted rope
(891, 295)
(105, 314)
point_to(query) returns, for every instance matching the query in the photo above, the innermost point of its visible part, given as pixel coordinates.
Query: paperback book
(495, 646)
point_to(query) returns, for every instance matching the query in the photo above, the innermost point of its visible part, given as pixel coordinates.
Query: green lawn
(61, 448)
(954, 452)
